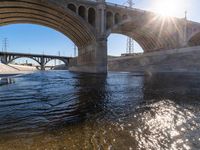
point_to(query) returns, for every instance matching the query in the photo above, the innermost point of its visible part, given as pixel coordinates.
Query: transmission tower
(130, 46)
(5, 45)
(75, 50)
(130, 41)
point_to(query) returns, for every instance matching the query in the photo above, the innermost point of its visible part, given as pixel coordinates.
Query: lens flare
(169, 7)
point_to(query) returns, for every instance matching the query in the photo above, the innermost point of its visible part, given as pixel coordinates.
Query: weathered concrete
(176, 60)
(92, 58)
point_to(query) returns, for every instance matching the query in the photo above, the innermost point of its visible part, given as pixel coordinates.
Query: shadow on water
(43, 102)
(175, 86)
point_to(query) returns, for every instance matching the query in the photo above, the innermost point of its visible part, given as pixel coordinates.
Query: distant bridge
(42, 60)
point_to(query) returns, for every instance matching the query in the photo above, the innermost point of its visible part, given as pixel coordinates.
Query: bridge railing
(124, 7)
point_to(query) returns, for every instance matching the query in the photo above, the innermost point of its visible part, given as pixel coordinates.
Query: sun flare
(168, 7)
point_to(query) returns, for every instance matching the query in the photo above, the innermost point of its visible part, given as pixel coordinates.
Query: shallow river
(121, 111)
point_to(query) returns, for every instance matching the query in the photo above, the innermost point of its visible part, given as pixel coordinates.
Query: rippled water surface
(120, 111)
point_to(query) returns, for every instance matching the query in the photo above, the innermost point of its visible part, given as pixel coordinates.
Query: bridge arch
(82, 12)
(117, 18)
(148, 37)
(124, 17)
(72, 7)
(92, 16)
(114, 50)
(194, 40)
(51, 14)
(66, 62)
(19, 57)
(109, 19)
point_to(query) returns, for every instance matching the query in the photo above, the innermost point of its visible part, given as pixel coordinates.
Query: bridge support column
(92, 58)
(42, 64)
(4, 59)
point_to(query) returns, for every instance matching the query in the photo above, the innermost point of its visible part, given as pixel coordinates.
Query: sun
(168, 7)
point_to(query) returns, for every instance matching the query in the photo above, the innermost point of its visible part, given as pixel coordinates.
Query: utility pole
(5, 45)
(186, 15)
(130, 41)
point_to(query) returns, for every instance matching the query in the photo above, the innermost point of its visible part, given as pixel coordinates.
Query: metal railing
(125, 7)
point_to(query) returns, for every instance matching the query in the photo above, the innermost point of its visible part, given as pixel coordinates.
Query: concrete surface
(177, 60)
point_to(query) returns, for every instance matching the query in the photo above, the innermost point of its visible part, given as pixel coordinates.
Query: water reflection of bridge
(5, 81)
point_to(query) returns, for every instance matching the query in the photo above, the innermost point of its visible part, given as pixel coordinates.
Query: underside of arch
(48, 14)
(148, 37)
(64, 61)
(24, 57)
(195, 40)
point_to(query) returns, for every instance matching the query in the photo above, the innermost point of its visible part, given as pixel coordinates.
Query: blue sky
(38, 39)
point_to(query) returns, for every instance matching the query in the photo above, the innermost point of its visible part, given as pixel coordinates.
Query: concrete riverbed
(15, 69)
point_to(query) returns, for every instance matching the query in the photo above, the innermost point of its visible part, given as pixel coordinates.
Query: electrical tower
(130, 41)
(130, 46)
(5, 45)
(75, 50)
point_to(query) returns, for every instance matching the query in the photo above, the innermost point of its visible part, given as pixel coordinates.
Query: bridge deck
(33, 55)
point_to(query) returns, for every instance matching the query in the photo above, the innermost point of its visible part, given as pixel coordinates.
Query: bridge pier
(4, 59)
(42, 64)
(92, 58)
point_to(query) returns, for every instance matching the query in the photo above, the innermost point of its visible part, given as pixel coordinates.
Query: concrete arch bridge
(42, 60)
(88, 23)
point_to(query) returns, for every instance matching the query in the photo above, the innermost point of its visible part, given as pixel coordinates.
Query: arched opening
(117, 50)
(92, 16)
(117, 18)
(56, 64)
(109, 20)
(195, 40)
(54, 16)
(40, 40)
(72, 7)
(124, 17)
(82, 11)
(24, 64)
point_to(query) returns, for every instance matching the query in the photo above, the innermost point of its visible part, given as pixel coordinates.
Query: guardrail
(119, 6)
(125, 7)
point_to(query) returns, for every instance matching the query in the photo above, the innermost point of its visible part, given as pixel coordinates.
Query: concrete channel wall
(176, 60)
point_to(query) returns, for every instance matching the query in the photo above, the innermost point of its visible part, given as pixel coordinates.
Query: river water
(59, 110)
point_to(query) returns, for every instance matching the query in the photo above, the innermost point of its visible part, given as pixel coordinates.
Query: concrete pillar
(183, 34)
(4, 59)
(101, 19)
(42, 64)
(92, 58)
